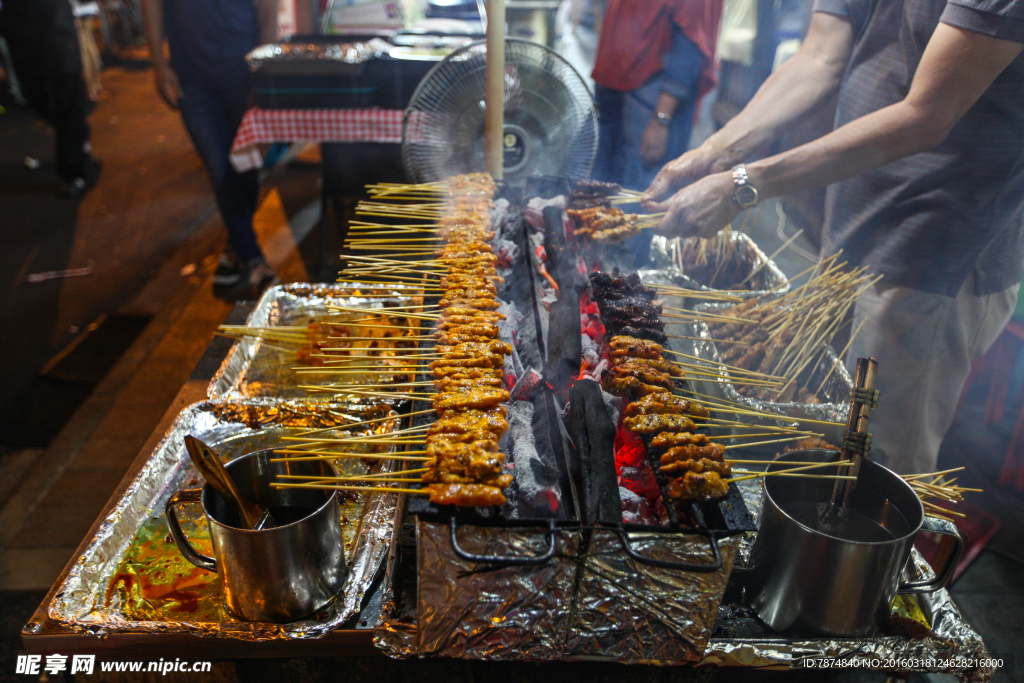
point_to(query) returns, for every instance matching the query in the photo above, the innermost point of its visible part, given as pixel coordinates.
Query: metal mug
(277, 574)
(805, 578)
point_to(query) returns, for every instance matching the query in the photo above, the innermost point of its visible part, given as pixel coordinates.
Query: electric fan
(550, 119)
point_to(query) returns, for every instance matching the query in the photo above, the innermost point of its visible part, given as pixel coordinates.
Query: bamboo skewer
(372, 489)
(792, 470)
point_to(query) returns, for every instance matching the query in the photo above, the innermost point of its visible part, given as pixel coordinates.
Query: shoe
(261, 276)
(82, 184)
(229, 270)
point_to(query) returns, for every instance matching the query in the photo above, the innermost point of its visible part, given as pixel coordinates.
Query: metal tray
(253, 369)
(131, 577)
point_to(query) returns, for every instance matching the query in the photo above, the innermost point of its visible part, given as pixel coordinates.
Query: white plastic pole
(495, 95)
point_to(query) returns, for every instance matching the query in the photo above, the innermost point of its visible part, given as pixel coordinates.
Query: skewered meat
(810, 443)
(650, 333)
(680, 467)
(453, 338)
(466, 495)
(477, 329)
(476, 459)
(471, 421)
(635, 348)
(667, 440)
(652, 424)
(482, 361)
(482, 303)
(624, 386)
(477, 397)
(698, 486)
(473, 313)
(666, 404)
(461, 381)
(644, 373)
(661, 365)
(708, 451)
(608, 288)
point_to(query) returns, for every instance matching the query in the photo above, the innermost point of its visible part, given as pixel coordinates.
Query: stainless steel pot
(839, 581)
(277, 574)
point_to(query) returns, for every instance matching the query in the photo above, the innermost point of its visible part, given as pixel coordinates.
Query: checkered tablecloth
(321, 125)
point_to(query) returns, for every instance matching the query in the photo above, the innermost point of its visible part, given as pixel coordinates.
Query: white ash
(535, 209)
(593, 363)
(536, 483)
(506, 332)
(632, 506)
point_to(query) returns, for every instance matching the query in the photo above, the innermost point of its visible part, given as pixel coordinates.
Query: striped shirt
(929, 220)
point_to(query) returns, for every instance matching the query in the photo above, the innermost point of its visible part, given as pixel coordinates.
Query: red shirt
(636, 34)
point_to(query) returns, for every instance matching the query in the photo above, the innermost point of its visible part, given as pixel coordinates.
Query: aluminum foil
(666, 254)
(131, 578)
(513, 613)
(835, 394)
(950, 639)
(254, 369)
(636, 613)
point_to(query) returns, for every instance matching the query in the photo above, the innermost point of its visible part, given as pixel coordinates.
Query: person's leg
(925, 344)
(208, 120)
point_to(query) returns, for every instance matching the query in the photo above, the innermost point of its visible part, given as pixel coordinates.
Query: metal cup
(806, 579)
(278, 574)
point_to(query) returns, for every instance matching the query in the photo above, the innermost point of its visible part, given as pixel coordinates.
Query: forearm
(267, 17)
(153, 28)
(666, 104)
(798, 88)
(888, 134)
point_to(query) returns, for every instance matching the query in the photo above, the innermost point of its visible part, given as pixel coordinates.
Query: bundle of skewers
(675, 423)
(788, 336)
(716, 262)
(461, 461)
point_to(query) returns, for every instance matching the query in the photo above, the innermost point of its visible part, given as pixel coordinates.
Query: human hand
(701, 208)
(654, 143)
(167, 86)
(677, 174)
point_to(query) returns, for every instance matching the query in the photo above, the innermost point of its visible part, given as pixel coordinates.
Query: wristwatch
(663, 118)
(744, 193)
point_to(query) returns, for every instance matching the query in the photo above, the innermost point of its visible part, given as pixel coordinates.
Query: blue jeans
(212, 118)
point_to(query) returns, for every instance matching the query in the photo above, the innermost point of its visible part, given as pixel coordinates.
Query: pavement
(96, 362)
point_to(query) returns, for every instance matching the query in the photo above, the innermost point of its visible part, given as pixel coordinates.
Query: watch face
(746, 195)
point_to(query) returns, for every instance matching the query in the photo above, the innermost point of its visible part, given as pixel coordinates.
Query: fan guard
(550, 117)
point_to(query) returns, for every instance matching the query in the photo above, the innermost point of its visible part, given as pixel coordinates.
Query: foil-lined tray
(255, 369)
(132, 578)
(834, 396)
(666, 253)
(950, 646)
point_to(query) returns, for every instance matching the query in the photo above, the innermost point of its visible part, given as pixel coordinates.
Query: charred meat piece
(653, 424)
(606, 287)
(453, 382)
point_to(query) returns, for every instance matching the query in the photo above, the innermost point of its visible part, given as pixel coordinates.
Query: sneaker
(261, 276)
(229, 270)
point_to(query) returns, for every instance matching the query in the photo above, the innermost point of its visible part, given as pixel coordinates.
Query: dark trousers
(212, 118)
(43, 43)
